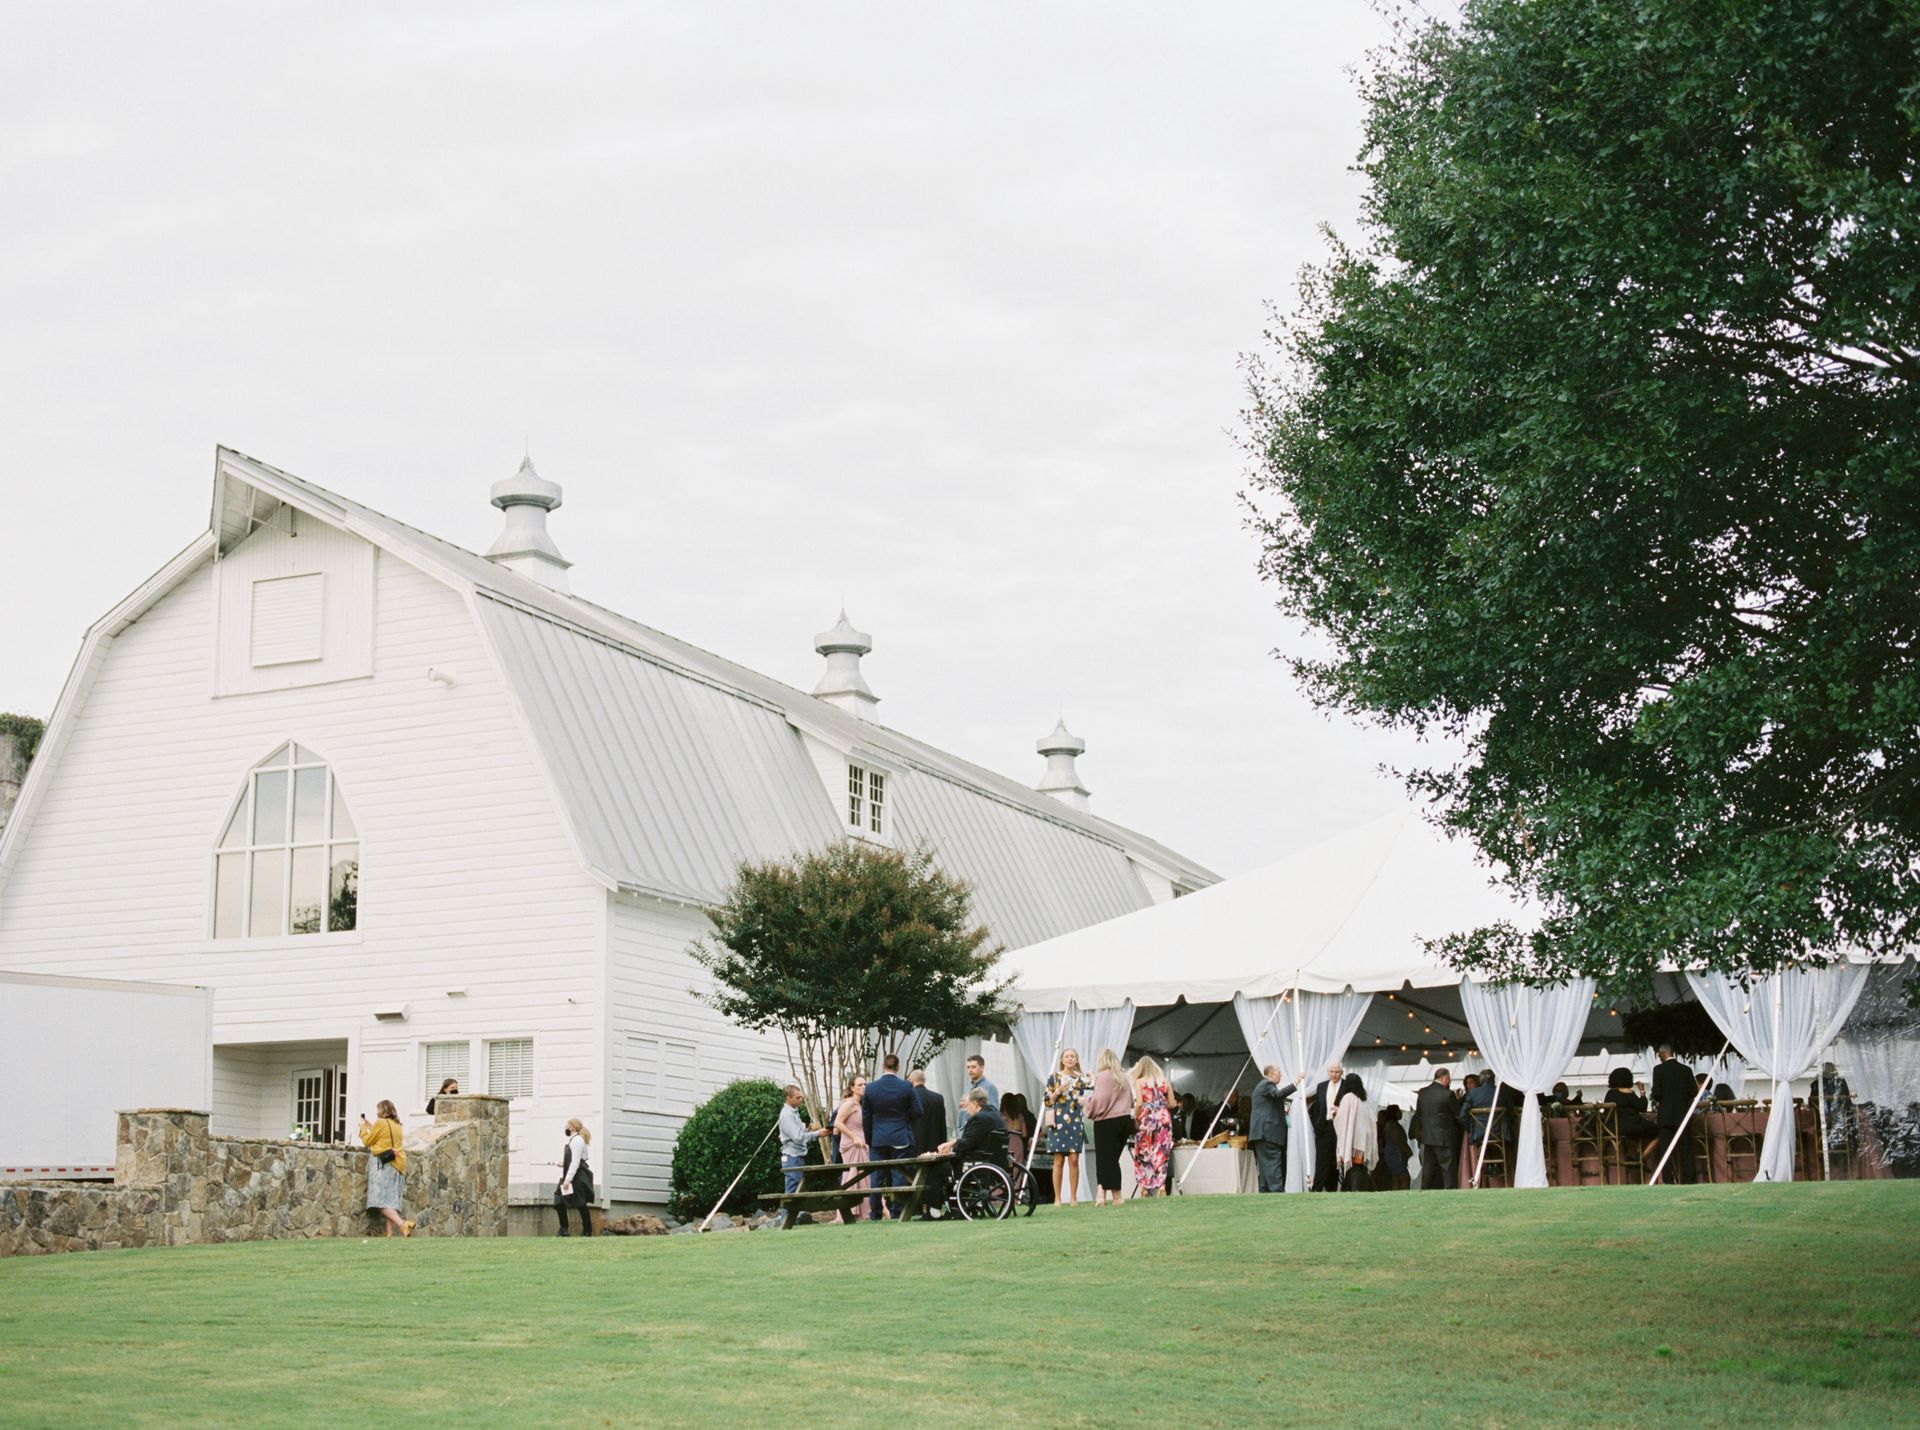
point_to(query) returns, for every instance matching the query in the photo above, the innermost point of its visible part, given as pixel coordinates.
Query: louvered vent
(287, 620)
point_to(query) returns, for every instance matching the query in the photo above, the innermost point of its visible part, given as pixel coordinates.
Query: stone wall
(174, 1185)
(13, 773)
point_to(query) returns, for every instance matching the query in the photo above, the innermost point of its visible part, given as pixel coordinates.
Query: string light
(1403, 1047)
(1426, 1030)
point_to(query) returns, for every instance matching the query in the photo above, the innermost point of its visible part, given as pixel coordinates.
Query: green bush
(717, 1139)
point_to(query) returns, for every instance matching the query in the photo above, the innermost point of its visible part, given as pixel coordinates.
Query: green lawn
(1715, 1305)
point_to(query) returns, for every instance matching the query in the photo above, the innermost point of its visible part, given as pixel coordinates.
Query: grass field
(1712, 1306)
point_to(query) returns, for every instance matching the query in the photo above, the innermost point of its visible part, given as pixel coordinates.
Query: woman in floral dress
(1153, 1127)
(1067, 1089)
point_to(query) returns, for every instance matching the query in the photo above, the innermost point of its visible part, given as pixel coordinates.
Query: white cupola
(1062, 779)
(842, 683)
(524, 546)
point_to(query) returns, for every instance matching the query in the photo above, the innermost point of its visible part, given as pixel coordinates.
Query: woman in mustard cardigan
(387, 1172)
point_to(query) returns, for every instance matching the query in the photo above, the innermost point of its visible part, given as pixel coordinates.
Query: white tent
(1349, 913)
(1200, 980)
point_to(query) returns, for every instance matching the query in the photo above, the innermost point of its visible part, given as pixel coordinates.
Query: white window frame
(246, 849)
(533, 1065)
(428, 1082)
(867, 817)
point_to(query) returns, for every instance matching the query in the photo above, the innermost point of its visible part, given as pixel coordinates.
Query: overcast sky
(933, 310)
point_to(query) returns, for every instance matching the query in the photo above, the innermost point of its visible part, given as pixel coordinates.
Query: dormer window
(867, 801)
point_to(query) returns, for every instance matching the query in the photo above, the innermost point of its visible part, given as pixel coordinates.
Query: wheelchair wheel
(1026, 1195)
(984, 1193)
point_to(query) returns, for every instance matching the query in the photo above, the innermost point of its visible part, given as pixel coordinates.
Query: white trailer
(75, 1052)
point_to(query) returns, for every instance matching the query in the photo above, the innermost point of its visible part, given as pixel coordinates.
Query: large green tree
(1598, 453)
(851, 951)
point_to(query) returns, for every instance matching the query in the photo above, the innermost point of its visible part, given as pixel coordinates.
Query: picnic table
(840, 1187)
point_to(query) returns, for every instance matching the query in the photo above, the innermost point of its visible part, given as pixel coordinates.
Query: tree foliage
(26, 731)
(850, 950)
(1599, 455)
(727, 1132)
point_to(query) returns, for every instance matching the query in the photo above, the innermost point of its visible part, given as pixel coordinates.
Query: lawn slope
(1709, 1306)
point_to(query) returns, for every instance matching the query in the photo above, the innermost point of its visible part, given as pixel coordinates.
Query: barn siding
(468, 878)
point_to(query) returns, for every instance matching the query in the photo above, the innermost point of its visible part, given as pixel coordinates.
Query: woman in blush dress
(1152, 1127)
(1013, 1112)
(853, 1141)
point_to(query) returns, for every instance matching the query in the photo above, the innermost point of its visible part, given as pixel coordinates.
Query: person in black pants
(576, 1179)
(1673, 1093)
(1320, 1113)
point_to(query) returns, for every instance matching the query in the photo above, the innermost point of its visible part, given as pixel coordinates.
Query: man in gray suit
(1434, 1115)
(1267, 1129)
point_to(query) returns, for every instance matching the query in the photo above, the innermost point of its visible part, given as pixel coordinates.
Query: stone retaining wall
(174, 1184)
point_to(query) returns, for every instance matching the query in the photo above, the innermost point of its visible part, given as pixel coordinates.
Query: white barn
(412, 811)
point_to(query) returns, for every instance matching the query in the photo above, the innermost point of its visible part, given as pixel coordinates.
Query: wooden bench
(823, 1189)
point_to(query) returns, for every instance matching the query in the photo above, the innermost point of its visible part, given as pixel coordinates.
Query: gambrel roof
(671, 765)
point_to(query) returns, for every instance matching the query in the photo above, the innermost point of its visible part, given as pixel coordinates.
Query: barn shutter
(287, 618)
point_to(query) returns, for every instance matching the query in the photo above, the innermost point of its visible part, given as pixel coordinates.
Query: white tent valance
(1353, 912)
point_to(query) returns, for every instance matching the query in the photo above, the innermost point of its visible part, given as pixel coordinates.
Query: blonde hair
(1147, 1070)
(1109, 1062)
(1060, 1063)
(574, 1124)
(384, 1110)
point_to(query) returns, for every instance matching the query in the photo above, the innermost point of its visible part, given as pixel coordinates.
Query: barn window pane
(229, 890)
(309, 804)
(343, 889)
(268, 913)
(342, 821)
(270, 807)
(234, 835)
(309, 888)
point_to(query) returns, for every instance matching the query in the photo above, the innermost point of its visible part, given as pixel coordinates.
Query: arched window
(288, 861)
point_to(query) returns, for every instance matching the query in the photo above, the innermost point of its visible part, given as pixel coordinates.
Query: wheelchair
(990, 1191)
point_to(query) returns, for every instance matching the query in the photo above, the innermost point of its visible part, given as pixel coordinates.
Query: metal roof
(673, 764)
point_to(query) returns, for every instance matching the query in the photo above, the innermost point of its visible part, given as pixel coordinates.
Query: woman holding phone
(387, 1172)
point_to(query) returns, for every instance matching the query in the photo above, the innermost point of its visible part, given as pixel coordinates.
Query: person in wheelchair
(984, 1136)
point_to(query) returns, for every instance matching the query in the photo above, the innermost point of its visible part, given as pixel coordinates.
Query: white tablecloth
(1215, 1170)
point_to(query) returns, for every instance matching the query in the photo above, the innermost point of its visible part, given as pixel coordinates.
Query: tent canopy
(1353, 912)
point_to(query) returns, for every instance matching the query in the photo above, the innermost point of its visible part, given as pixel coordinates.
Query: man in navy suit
(889, 1111)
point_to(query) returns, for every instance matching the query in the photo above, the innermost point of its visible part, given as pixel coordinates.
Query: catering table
(1215, 1170)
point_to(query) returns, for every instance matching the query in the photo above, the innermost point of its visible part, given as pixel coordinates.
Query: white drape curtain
(1780, 1024)
(1528, 1036)
(1041, 1036)
(1302, 1036)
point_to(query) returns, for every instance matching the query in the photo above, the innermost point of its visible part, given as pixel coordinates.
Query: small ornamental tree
(849, 951)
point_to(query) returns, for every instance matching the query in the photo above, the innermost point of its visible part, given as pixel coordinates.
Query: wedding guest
(1479, 1095)
(853, 1141)
(1674, 1090)
(1267, 1128)
(1356, 1139)
(448, 1087)
(1186, 1126)
(1436, 1124)
(887, 1111)
(1630, 1109)
(1152, 1127)
(1110, 1110)
(1320, 1109)
(931, 1130)
(977, 1078)
(576, 1178)
(794, 1136)
(1723, 1092)
(1396, 1153)
(1067, 1088)
(1019, 1123)
(387, 1172)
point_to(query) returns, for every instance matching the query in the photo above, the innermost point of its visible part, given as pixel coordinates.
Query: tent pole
(1820, 1091)
(1773, 1108)
(1493, 1112)
(1295, 996)
(1681, 1131)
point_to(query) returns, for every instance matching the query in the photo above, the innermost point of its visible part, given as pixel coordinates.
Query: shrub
(717, 1139)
